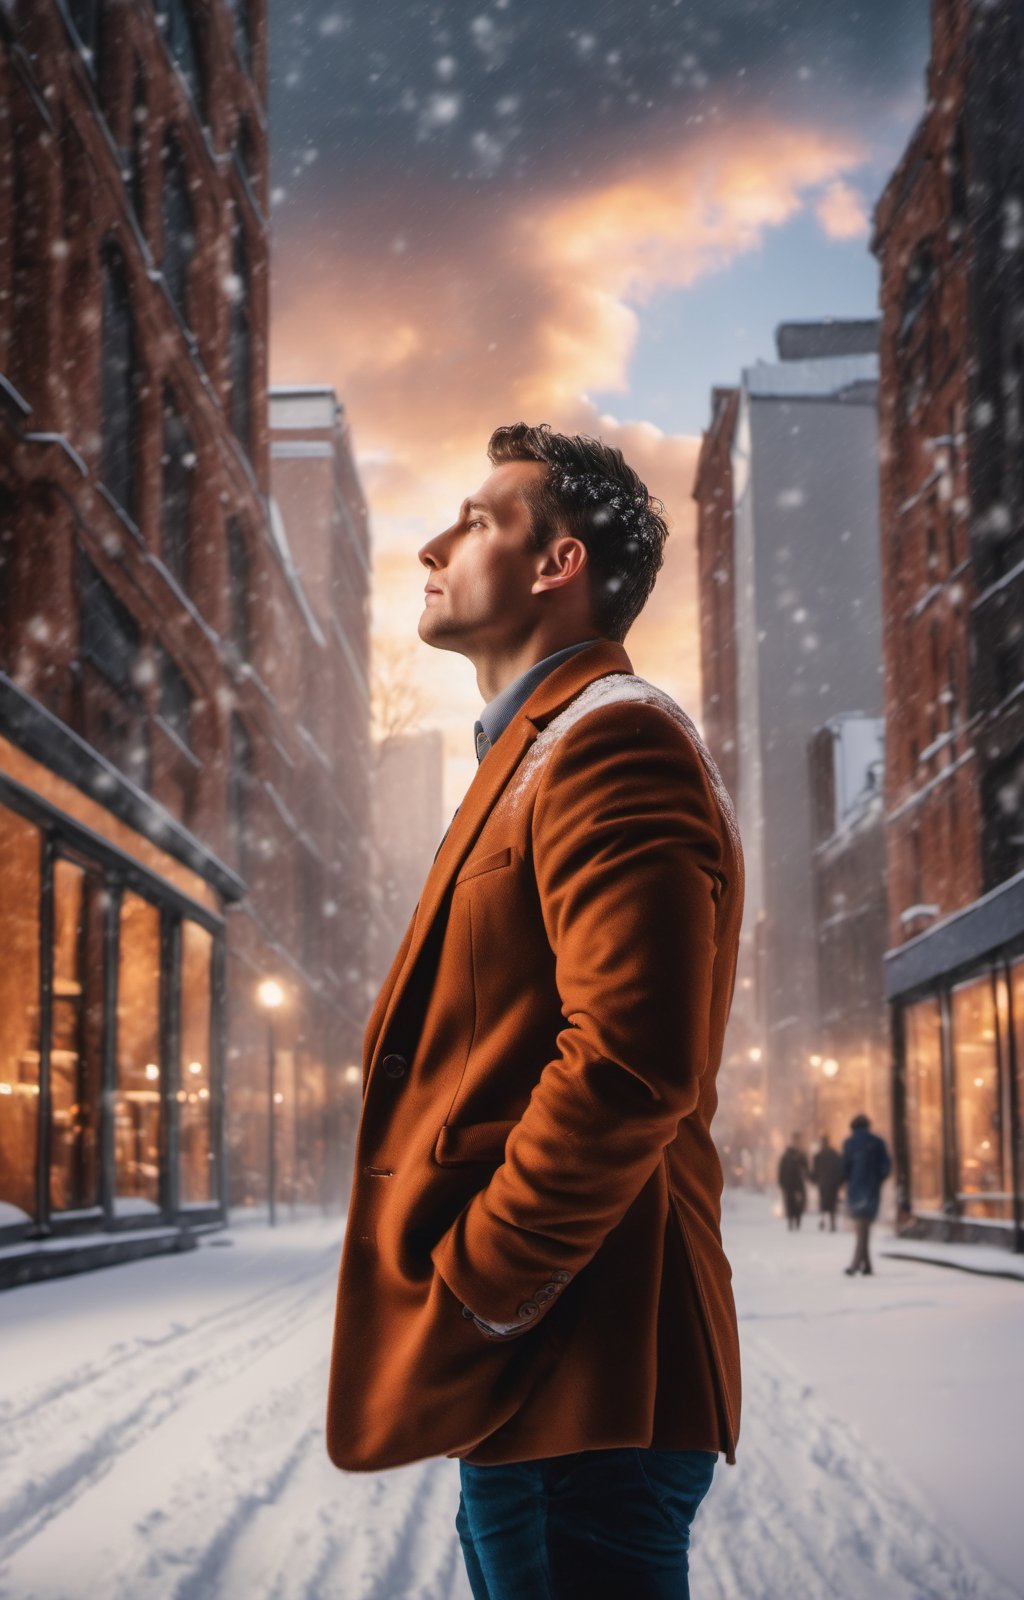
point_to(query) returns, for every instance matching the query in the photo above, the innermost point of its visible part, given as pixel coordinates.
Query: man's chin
(432, 631)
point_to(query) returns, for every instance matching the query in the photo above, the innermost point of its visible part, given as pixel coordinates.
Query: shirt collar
(498, 713)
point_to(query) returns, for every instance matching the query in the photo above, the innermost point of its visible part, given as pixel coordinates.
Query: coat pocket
(474, 1142)
(486, 863)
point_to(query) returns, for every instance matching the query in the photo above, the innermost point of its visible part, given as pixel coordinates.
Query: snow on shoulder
(619, 688)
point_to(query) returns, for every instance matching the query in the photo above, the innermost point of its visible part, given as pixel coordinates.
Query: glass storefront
(137, 1119)
(76, 1044)
(981, 1180)
(88, 1115)
(21, 853)
(195, 1124)
(964, 1098)
(923, 1023)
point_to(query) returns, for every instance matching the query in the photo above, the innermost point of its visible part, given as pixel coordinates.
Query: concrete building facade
(806, 635)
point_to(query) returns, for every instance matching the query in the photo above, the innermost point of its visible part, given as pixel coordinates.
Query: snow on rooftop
(829, 376)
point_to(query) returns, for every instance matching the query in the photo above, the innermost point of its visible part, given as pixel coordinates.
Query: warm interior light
(815, 1061)
(269, 993)
(830, 1067)
(195, 1066)
(152, 1071)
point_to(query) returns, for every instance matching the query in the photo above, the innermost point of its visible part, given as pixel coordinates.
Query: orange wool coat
(538, 1087)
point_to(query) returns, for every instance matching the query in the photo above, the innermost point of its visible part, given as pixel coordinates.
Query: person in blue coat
(866, 1165)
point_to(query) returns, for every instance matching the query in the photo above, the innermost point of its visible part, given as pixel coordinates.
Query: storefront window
(137, 1119)
(924, 1103)
(76, 1049)
(195, 1122)
(1017, 1003)
(979, 1124)
(19, 1017)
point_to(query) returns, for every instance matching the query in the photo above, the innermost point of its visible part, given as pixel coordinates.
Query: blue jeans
(597, 1525)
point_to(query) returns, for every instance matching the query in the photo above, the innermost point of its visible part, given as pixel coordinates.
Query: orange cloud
(842, 212)
(509, 306)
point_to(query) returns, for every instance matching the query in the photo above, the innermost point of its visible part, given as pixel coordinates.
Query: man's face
(481, 570)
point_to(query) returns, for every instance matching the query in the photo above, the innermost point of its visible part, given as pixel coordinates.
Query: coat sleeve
(628, 854)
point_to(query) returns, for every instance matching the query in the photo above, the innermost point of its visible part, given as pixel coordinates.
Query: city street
(161, 1434)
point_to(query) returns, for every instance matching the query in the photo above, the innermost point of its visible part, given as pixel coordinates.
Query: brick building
(949, 234)
(166, 776)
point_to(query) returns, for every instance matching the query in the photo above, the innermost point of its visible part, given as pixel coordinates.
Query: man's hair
(591, 494)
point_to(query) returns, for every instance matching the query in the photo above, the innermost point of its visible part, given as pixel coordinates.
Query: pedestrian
(827, 1174)
(532, 1279)
(793, 1175)
(866, 1165)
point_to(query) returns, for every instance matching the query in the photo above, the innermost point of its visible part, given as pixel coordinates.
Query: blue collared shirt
(498, 713)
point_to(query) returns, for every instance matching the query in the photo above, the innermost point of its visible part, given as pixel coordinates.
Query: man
(793, 1175)
(533, 1278)
(866, 1165)
(827, 1174)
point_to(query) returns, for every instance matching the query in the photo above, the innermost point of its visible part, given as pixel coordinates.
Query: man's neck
(497, 672)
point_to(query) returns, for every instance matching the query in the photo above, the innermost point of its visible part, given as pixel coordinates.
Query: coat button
(559, 1277)
(528, 1309)
(545, 1292)
(395, 1066)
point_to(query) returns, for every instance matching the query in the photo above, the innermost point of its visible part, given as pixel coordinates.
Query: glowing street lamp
(270, 995)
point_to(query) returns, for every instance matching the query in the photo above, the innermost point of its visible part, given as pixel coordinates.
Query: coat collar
(551, 696)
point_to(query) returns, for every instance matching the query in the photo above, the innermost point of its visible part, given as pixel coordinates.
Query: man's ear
(561, 560)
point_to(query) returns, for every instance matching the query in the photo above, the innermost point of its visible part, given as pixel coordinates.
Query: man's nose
(432, 553)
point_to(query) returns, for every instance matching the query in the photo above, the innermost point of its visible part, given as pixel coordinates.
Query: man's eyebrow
(474, 505)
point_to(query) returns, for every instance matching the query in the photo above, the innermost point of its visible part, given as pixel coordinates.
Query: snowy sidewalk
(161, 1436)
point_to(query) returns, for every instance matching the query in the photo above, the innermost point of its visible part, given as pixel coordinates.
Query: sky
(582, 214)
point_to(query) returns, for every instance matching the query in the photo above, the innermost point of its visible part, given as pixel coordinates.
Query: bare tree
(397, 701)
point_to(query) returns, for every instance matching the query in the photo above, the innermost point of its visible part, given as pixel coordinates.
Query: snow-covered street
(162, 1434)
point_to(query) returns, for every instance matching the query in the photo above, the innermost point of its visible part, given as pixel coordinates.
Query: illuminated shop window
(76, 1047)
(1017, 1006)
(924, 1103)
(137, 1102)
(195, 1106)
(981, 1181)
(19, 1017)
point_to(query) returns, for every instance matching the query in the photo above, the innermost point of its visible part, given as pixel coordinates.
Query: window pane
(1017, 1002)
(137, 1120)
(178, 226)
(978, 1114)
(178, 462)
(19, 1017)
(119, 377)
(76, 1049)
(924, 1104)
(195, 1117)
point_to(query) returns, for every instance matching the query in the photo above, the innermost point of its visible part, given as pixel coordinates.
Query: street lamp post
(270, 995)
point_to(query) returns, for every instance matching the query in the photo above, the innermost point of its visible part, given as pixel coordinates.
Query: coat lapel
(492, 775)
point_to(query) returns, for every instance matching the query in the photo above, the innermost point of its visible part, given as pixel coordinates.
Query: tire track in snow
(809, 1510)
(119, 1357)
(129, 1414)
